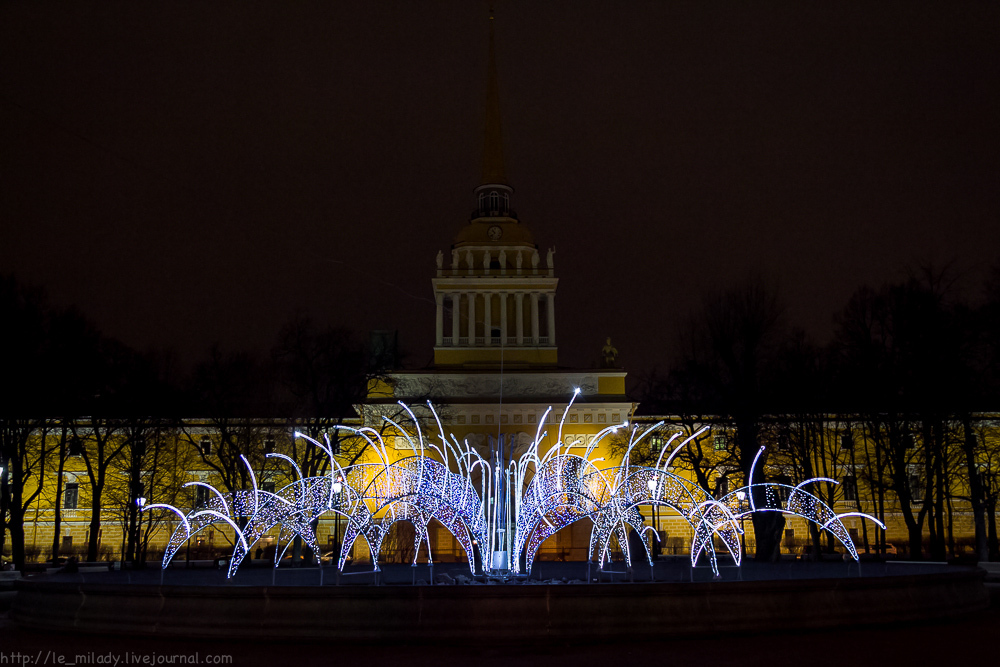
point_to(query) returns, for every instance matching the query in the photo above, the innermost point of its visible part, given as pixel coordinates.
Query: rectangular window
(267, 487)
(205, 445)
(850, 487)
(200, 496)
(790, 537)
(71, 496)
(721, 486)
(719, 442)
(268, 445)
(853, 532)
(75, 446)
(847, 441)
(67, 543)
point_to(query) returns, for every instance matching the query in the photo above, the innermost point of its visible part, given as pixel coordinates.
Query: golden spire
(493, 171)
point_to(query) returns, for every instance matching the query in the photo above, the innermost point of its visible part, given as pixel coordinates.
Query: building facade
(495, 383)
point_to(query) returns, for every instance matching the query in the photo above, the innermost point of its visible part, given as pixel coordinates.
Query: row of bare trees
(902, 402)
(76, 404)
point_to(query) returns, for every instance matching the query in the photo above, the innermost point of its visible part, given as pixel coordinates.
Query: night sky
(193, 172)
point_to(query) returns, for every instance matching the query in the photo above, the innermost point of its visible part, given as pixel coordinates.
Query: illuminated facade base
(499, 507)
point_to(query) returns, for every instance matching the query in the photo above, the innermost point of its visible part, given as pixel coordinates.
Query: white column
(550, 301)
(471, 296)
(519, 322)
(503, 318)
(439, 328)
(456, 316)
(534, 318)
(487, 320)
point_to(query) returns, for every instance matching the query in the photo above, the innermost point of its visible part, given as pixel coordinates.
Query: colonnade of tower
(507, 313)
(495, 298)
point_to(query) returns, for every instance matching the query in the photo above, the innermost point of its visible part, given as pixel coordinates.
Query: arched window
(506, 204)
(494, 202)
(482, 202)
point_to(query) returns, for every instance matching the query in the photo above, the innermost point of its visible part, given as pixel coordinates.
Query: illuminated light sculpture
(722, 516)
(507, 508)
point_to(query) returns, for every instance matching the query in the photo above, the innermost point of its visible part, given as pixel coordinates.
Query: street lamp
(337, 487)
(656, 512)
(741, 496)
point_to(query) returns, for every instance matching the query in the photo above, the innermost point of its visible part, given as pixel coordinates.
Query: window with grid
(850, 486)
(71, 496)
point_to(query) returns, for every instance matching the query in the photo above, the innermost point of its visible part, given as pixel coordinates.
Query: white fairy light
(512, 509)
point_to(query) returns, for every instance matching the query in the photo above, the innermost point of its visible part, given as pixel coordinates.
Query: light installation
(500, 509)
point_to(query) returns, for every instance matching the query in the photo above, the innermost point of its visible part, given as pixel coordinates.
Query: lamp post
(656, 515)
(741, 496)
(337, 487)
(3, 507)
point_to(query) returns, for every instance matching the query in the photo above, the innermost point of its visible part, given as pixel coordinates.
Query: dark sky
(190, 172)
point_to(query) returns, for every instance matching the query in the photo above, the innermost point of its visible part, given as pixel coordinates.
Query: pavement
(971, 639)
(672, 570)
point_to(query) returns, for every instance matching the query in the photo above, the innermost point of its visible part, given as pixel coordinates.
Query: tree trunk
(767, 530)
(916, 542)
(880, 537)
(914, 525)
(3, 515)
(939, 548)
(16, 528)
(975, 489)
(857, 499)
(991, 525)
(951, 529)
(134, 528)
(928, 505)
(57, 515)
(95, 524)
(814, 535)
(15, 512)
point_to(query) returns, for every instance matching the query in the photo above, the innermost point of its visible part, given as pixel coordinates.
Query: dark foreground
(971, 640)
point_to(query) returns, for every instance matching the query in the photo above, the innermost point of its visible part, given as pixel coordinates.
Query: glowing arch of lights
(506, 508)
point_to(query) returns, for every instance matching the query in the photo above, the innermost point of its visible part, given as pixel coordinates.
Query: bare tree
(901, 355)
(729, 352)
(327, 374)
(23, 454)
(235, 393)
